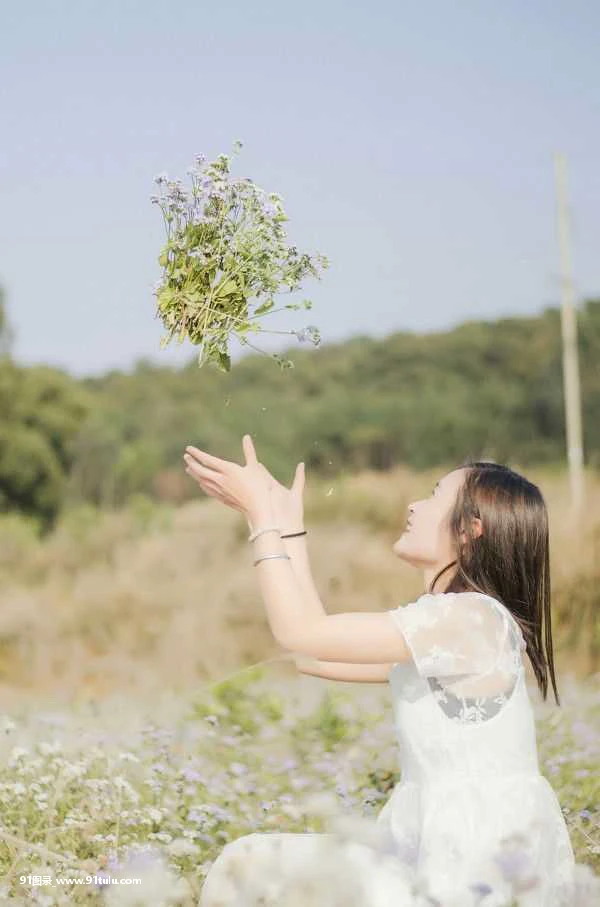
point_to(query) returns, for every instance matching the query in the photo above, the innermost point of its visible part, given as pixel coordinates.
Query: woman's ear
(477, 529)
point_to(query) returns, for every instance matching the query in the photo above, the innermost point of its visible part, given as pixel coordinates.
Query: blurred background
(413, 145)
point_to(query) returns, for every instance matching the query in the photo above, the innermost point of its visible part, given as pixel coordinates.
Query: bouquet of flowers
(225, 251)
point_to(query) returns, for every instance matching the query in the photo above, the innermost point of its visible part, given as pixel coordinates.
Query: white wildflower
(181, 847)
(159, 886)
(49, 748)
(18, 751)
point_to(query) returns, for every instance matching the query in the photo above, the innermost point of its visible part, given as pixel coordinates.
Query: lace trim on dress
(468, 648)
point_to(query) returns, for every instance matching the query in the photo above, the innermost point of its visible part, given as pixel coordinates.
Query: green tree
(42, 409)
(7, 334)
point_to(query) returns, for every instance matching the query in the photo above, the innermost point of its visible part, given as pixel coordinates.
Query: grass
(154, 790)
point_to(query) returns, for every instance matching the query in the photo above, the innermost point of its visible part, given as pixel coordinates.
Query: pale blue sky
(412, 144)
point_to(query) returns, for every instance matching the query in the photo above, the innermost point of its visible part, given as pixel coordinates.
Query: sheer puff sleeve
(452, 633)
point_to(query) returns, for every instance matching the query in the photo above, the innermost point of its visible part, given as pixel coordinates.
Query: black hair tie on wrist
(292, 535)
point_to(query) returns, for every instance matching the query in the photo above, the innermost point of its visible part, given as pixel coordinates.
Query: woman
(472, 816)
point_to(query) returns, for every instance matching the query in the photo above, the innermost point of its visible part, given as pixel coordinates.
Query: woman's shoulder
(470, 602)
(461, 598)
(496, 603)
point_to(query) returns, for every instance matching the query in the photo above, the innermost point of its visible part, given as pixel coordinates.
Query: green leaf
(224, 361)
(265, 307)
(228, 288)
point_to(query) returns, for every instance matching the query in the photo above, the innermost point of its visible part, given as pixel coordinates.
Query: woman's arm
(298, 552)
(343, 670)
(329, 670)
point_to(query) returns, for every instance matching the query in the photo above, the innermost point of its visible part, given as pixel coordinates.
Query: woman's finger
(205, 459)
(197, 469)
(205, 484)
(299, 477)
(214, 491)
(250, 453)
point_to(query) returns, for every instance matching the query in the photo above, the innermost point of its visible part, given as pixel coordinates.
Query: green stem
(235, 318)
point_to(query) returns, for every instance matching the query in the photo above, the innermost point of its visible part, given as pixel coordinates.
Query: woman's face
(425, 543)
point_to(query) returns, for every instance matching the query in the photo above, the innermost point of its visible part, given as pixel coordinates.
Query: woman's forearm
(289, 605)
(298, 552)
(341, 670)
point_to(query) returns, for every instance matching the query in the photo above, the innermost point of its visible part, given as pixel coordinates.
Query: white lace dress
(472, 811)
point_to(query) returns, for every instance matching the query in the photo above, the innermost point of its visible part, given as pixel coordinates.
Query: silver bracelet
(265, 556)
(258, 532)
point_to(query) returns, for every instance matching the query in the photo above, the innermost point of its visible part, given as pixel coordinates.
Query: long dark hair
(510, 560)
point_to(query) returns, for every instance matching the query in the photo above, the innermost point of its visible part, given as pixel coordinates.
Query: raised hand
(287, 503)
(243, 488)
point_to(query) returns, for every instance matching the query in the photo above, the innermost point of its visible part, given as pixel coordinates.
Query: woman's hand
(287, 503)
(244, 488)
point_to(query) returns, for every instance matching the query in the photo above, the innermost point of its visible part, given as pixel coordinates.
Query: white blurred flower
(49, 748)
(159, 886)
(18, 751)
(182, 847)
(6, 724)
(320, 804)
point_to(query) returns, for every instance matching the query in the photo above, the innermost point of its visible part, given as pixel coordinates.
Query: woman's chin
(402, 547)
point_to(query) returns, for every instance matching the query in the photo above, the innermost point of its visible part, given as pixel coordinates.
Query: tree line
(492, 389)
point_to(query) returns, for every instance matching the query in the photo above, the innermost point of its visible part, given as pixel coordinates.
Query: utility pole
(572, 391)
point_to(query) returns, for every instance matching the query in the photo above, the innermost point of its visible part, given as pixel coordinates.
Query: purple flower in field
(194, 815)
(161, 733)
(143, 858)
(515, 864)
(585, 731)
(512, 863)
(481, 889)
(104, 878)
(586, 814)
(190, 774)
(267, 804)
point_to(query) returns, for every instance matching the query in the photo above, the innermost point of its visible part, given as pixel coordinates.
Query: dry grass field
(155, 597)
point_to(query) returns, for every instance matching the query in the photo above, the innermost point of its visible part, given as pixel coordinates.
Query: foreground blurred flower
(225, 246)
(159, 886)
